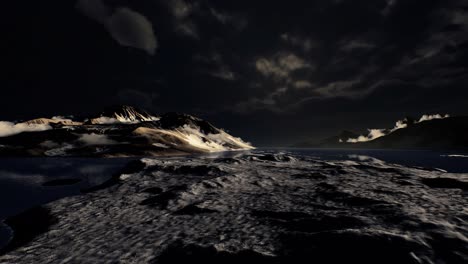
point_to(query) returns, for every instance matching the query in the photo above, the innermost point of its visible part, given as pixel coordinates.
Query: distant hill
(444, 133)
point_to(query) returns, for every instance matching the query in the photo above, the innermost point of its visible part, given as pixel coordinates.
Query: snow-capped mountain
(428, 132)
(118, 131)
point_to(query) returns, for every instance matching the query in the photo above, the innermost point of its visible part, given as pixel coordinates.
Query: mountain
(427, 133)
(116, 132)
(447, 133)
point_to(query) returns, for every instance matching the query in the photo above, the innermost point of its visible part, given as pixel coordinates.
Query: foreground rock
(264, 207)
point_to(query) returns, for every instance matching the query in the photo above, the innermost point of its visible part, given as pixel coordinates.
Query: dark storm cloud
(358, 63)
(297, 41)
(127, 27)
(189, 16)
(278, 70)
(215, 66)
(254, 65)
(183, 13)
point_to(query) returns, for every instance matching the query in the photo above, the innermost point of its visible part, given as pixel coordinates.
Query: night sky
(272, 72)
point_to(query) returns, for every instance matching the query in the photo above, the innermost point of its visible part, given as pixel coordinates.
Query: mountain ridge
(116, 132)
(437, 133)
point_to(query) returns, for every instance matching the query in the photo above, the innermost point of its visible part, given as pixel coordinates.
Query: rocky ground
(262, 207)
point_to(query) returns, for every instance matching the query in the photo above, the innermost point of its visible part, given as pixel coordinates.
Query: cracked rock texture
(262, 207)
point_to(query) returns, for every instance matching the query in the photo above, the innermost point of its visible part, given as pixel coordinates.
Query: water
(24, 181)
(454, 162)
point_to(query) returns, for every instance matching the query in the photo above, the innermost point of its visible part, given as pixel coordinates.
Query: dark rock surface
(261, 208)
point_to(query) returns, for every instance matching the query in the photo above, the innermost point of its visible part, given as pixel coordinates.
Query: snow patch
(123, 177)
(373, 134)
(127, 118)
(62, 119)
(212, 142)
(191, 137)
(104, 120)
(96, 139)
(160, 145)
(455, 156)
(400, 124)
(9, 128)
(432, 117)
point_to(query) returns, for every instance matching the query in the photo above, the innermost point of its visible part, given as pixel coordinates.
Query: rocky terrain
(254, 206)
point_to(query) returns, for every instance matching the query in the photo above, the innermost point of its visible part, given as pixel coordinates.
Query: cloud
(225, 74)
(129, 28)
(280, 70)
(132, 29)
(302, 84)
(96, 139)
(460, 18)
(180, 8)
(388, 7)
(267, 68)
(220, 16)
(9, 128)
(357, 44)
(281, 65)
(306, 44)
(291, 62)
(239, 22)
(188, 28)
(182, 11)
(269, 102)
(216, 65)
(94, 9)
(339, 89)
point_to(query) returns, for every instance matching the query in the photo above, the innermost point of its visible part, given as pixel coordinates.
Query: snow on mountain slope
(191, 138)
(400, 124)
(53, 120)
(10, 128)
(123, 114)
(118, 131)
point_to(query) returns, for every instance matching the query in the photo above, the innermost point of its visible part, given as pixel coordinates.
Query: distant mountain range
(441, 132)
(118, 131)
